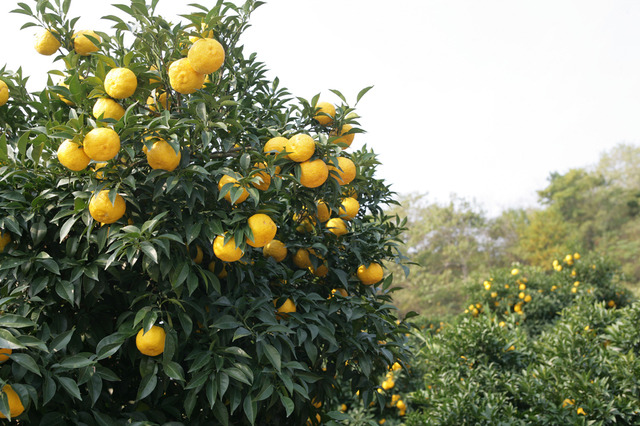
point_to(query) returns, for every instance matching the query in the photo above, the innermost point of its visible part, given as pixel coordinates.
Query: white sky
(479, 98)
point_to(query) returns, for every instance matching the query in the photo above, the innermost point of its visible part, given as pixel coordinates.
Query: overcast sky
(479, 98)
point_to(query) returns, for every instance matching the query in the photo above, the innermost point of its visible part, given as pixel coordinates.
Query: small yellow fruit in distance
(15, 405)
(301, 258)
(160, 99)
(72, 156)
(81, 43)
(313, 173)
(349, 208)
(300, 147)
(107, 108)
(228, 179)
(323, 214)
(120, 83)
(344, 139)
(183, 78)
(226, 252)
(263, 177)
(206, 55)
(325, 108)
(285, 309)
(162, 156)
(371, 274)
(5, 239)
(151, 343)
(263, 228)
(5, 352)
(276, 249)
(103, 211)
(4, 93)
(337, 226)
(46, 43)
(101, 144)
(275, 145)
(342, 292)
(346, 170)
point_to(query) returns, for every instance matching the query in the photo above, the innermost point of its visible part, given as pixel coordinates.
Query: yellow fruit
(370, 274)
(96, 168)
(46, 43)
(342, 292)
(62, 98)
(301, 259)
(103, 211)
(162, 156)
(349, 208)
(265, 178)
(4, 93)
(15, 405)
(263, 228)
(344, 139)
(227, 252)
(313, 173)
(285, 309)
(277, 144)
(101, 144)
(199, 255)
(81, 43)
(222, 273)
(5, 239)
(153, 80)
(151, 343)
(228, 179)
(161, 99)
(5, 352)
(321, 271)
(337, 226)
(275, 249)
(325, 108)
(107, 108)
(323, 214)
(300, 147)
(206, 55)
(203, 33)
(120, 83)
(183, 78)
(346, 170)
(72, 156)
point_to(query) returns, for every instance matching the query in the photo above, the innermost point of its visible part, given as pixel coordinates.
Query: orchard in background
(182, 241)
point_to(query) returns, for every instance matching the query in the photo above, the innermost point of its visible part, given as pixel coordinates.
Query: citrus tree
(182, 240)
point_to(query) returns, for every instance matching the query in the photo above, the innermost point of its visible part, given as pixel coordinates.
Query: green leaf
(287, 403)
(15, 321)
(75, 361)
(64, 289)
(250, 409)
(149, 250)
(174, 370)
(27, 362)
(362, 93)
(48, 389)
(70, 386)
(238, 375)
(337, 415)
(147, 385)
(226, 322)
(7, 340)
(273, 356)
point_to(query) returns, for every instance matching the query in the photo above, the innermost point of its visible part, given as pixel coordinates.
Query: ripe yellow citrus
(101, 144)
(349, 208)
(346, 170)
(323, 214)
(277, 144)
(337, 226)
(103, 211)
(154, 80)
(263, 228)
(62, 98)
(46, 43)
(183, 78)
(81, 43)
(107, 108)
(99, 173)
(345, 139)
(206, 55)
(162, 156)
(300, 147)
(325, 108)
(301, 258)
(263, 176)
(321, 271)
(370, 274)
(285, 309)
(222, 271)
(160, 99)
(15, 405)
(227, 252)
(276, 249)
(72, 156)
(151, 343)
(342, 292)
(203, 32)
(5, 239)
(4, 93)
(4, 352)
(120, 83)
(228, 179)
(199, 255)
(313, 173)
